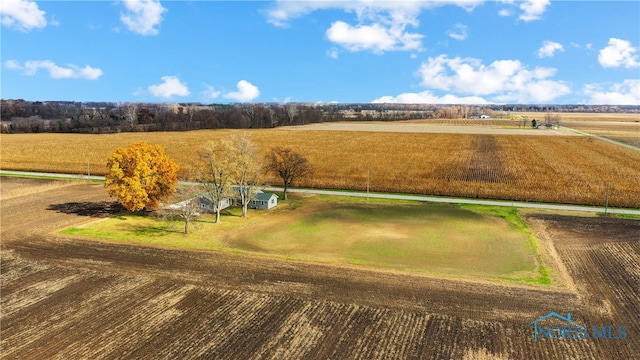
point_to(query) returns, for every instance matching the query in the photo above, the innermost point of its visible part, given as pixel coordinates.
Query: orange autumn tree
(140, 176)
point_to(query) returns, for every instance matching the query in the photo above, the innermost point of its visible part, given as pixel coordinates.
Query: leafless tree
(215, 168)
(291, 111)
(273, 117)
(185, 206)
(289, 165)
(191, 110)
(247, 167)
(131, 112)
(552, 119)
(466, 110)
(252, 113)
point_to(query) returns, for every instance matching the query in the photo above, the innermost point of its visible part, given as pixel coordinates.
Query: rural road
(450, 200)
(628, 146)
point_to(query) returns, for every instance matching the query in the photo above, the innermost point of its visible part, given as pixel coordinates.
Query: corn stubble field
(78, 299)
(75, 299)
(562, 169)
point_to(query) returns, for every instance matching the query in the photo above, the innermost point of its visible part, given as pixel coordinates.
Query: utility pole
(606, 199)
(367, 184)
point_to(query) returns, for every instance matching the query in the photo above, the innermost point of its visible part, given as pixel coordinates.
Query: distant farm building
(548, 126)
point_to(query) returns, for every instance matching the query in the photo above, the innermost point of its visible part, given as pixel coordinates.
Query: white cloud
(170, 86)
(210, 92)
(533, 9)
(23, 15)
(530, 9)
(625, 93)
(619, 53)
(142, 16)
(246, 92)
(549, 48)
(376, 37)
(139, 92)
(459, 32)
(286, 10)
(333, 53)
(427, 97)
(381, 25)
(71, 71)
(505, 80)
(12, 65)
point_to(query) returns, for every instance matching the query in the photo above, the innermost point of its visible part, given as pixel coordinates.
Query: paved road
(52, 175)
(632, 147)
(440, 199)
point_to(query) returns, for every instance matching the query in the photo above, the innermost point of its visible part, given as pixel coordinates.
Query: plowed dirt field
(73, 299)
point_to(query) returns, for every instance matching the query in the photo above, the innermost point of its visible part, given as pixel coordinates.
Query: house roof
(244, 188)
(265, 196)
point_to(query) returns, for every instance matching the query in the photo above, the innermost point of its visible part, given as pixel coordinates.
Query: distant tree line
(21, 116)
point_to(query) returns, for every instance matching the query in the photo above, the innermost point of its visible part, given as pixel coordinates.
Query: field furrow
(65, 298)
(296, 336)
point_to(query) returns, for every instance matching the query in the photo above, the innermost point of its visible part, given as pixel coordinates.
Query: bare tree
(185, 206)
(273, 117)
(248, 168)
(131, 113)
(252, 113)
(215, 166)
(191, 110)
(466, 110)
(291, 111)
(289, 165)
(552, 119)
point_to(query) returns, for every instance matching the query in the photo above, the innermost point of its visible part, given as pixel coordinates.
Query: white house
(207, 205)
(264, 201)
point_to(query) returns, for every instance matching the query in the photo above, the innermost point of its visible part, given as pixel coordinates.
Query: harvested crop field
(442, 126)
(558, 169)
(72, 299)
(626, 132)
(624, 128)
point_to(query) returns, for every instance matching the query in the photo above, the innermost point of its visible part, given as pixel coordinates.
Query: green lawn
(459, 241)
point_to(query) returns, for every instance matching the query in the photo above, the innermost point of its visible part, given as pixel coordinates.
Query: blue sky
(442, 51)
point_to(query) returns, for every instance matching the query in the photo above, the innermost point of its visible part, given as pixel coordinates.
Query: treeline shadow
(99, 209)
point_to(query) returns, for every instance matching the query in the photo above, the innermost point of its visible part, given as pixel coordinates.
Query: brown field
(563, 169)
(616, 117)
(441, 126)
(620, 127)
(72, 299)
(626, 132)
